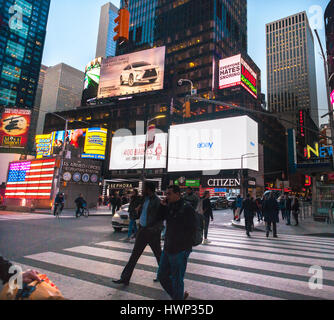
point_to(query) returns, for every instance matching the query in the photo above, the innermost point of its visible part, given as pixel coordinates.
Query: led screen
(214, 145)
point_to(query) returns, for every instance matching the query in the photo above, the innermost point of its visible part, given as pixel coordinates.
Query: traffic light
(123, 24)
(186, 110)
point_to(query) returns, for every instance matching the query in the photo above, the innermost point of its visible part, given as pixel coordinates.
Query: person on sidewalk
(249, 209)
(271, 211)
(191, 198)
(281, 205)
(295, 209)
(238, 205)
(149, 233)
(258, 203)
(181, 227)
(207, 212)
(27, 276)
(287, 204)
(133, 214)
(234, 209)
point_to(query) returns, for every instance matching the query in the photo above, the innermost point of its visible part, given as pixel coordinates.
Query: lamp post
(242, 173)
(145, 148)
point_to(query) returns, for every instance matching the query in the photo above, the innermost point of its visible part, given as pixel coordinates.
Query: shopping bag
(45, 290)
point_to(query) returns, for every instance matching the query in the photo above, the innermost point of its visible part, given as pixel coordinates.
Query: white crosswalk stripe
(232, 267)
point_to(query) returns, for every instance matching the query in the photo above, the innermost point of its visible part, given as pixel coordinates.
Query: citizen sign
(223, 183)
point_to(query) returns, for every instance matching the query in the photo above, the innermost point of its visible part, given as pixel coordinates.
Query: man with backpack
(181, 236)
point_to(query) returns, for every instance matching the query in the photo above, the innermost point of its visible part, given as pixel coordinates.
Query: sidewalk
(100, 211)
(307, 227)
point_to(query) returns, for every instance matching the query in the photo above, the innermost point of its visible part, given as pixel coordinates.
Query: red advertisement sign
(14, 128)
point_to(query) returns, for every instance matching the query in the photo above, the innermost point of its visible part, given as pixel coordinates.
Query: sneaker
(206, 241)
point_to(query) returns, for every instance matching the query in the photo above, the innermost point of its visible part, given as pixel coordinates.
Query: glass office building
(106, 46)
(22, 36)
(329, 23)
(291, 73)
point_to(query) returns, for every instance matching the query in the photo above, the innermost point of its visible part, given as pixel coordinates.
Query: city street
(82, 256)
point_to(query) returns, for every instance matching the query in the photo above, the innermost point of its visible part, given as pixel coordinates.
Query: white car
(139, 72)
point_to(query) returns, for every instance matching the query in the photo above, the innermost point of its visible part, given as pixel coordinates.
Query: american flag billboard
(30, 179)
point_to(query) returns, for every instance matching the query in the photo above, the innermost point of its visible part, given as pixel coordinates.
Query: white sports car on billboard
(139, 72)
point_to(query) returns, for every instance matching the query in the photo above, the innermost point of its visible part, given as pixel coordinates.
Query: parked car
(139, 72)
(231, 200)
(121, 219)
(218, 203)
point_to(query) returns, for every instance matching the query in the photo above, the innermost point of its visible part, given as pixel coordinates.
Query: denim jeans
(288, 216)
(132, 227)
(171, 272)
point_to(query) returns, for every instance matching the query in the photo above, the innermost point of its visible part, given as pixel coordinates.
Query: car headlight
(116, 215)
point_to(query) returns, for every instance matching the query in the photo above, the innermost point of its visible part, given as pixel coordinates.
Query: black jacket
(207, 210)
(80, 202)
(270, 210)
(249, 208)
(4, 268)
(153, 221)
(134, 203)
(180, 226)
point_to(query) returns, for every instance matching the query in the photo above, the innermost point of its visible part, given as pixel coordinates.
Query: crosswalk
(30, 216)
(232, 267)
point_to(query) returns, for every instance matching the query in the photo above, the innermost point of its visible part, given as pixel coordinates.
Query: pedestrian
(149, 232)
(133, 214)
(27, 276)
(207, 212)
(281, 204)
(270, 212)
(124, 200)
(234, 209)
(238, 205)
(287, 205)
(59, 201)
(80, 203)
(100, 201)
(181, 227)
(249, 209)
(295, 209)
(191, 198)
(258, 203)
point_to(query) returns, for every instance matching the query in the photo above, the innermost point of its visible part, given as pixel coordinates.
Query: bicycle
(85, 212)
(58, 211)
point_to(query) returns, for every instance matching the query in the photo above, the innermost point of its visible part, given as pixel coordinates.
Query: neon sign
(322, 152)
(301, 123)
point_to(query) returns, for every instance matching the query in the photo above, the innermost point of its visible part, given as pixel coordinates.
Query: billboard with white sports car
(133, 73)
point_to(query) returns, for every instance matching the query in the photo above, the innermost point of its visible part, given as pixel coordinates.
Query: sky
(73, 27)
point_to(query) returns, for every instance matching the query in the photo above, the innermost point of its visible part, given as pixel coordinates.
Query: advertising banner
(332, 97)
(127, 153)
(133, 73)
(223, 144)
(77, 171)
(14, 128)
(30, 179)
(84, 143)
(234, 71)
(95, 143)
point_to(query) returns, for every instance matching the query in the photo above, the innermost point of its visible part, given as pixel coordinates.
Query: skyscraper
(291, 74)
(329, 23)
(106, 46)
(22, 36)
(21, 49)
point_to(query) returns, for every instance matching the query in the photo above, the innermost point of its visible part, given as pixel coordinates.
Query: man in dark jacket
(59, 201)
(207, 212)
(27, 277)
(287, 205)
(270, 212)
(249, 209)
(191, 198)
(80, 202)
(181, 227)
(150, 227)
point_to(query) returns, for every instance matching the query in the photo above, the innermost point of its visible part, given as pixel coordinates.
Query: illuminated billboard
(224, 144)
(14, 128)
(81, 143)
(332, 97)
(92, 80)
(30, 179)
(127, 153)
(133, 73)
(234, 71)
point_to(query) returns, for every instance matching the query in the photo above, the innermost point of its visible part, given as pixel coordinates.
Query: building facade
(62, 90)
(329, 24)
(291, 74)
(106, 46)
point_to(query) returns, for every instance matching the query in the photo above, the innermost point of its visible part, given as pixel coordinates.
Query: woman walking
(207, 212)
(295, 209)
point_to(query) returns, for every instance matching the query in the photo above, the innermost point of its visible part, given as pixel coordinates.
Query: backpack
(199, 226)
